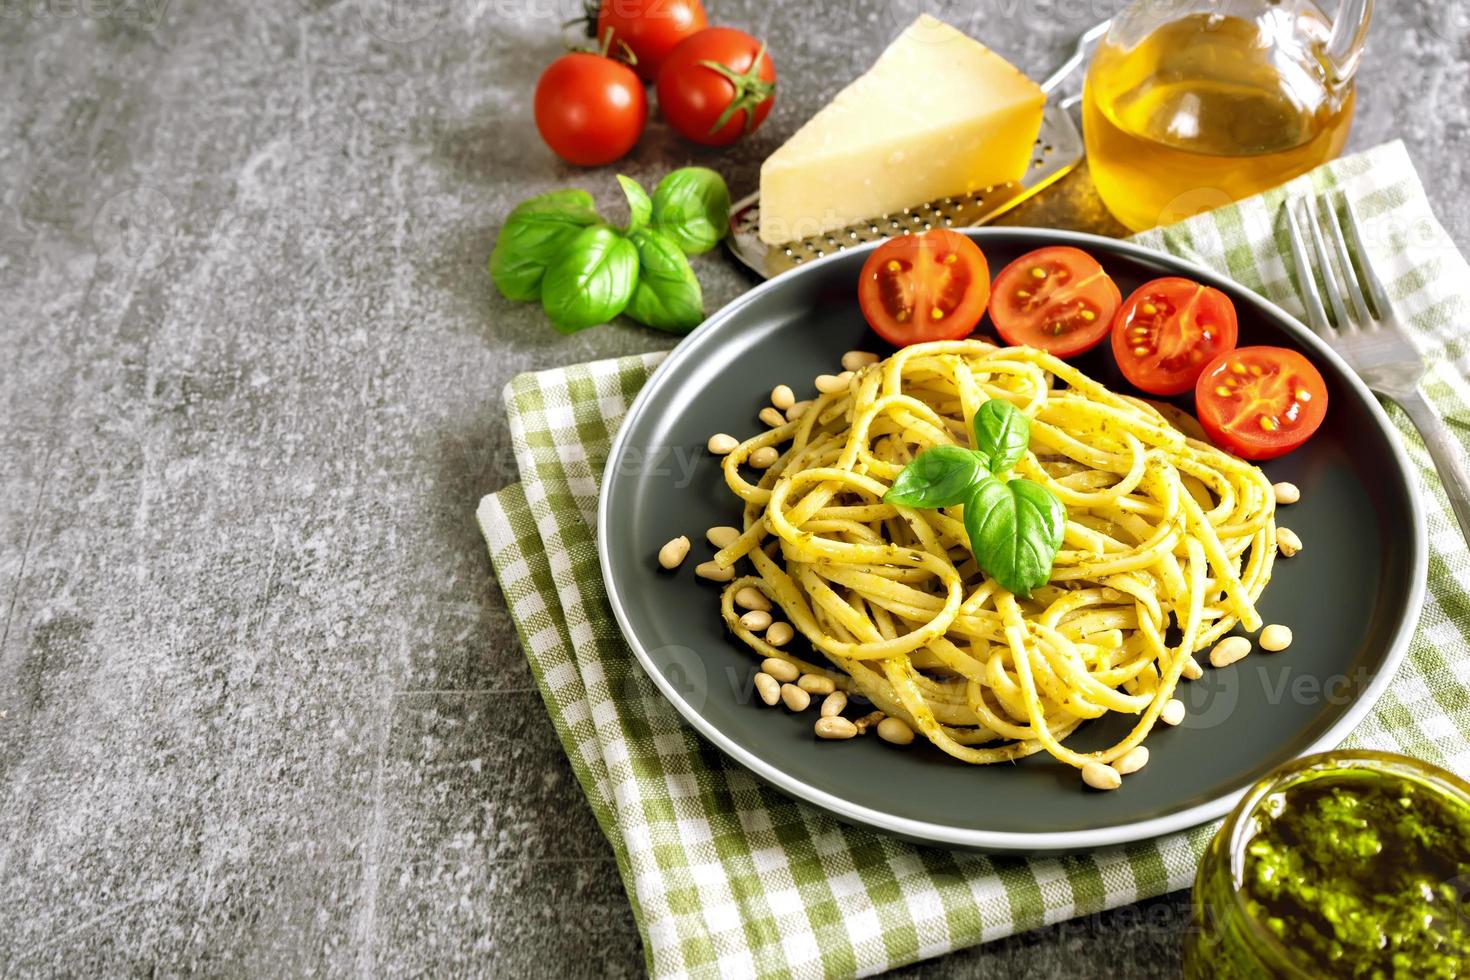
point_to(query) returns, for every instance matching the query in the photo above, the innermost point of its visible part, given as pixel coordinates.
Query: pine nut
(1229, 650)
(713, 572)
(750, 597)
(1275, 637)
(1192, 670)
(756, 620)
(783, 397)
(1099, 776)
(672, 555)
(768, 688)
(895, 730)
(780, 669)
(1287, 542)
(856, 360)
(723, 536)
(772, 417)
(1173, 713)
(834, 703)
(722, 444)
(795, 698)
(1133, 760)
(780, 634)
(816, 684)
(764, 458)
(830, 383)
(1286, 493)
(835, 726)
(797, 411)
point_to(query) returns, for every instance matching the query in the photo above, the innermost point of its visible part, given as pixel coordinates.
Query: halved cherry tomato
(1168, 330)
(1260, 402)
(1056, 298)
(917, 288)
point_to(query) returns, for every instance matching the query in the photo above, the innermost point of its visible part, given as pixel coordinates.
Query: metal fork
(1371, 339)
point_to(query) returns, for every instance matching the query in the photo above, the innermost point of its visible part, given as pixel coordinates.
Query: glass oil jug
(1192, 104)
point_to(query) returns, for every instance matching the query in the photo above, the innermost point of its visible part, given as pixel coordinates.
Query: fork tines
(1334, 265)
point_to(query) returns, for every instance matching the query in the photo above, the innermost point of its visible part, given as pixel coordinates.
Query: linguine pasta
(1168, 543)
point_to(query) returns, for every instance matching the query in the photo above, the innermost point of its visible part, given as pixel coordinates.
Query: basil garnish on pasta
(943, 476)
(1015, 526)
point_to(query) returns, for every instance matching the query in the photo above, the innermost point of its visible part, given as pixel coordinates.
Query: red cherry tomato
(1260, 402)
(917, 288)
(590, 109)
(1056, 298)
(650, 28)
(1168, 330)
(716, 86)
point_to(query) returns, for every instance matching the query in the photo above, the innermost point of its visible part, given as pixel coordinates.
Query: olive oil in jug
(1210, 108)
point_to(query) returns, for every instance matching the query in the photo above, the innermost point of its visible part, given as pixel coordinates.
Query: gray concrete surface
(262, 710)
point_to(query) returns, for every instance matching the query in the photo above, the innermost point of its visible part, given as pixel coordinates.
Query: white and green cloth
(730, 878)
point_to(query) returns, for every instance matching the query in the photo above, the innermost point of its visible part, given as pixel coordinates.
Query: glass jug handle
(1345, 46)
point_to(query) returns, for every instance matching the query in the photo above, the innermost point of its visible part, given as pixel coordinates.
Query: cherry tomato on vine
(1260, 402)
(917, 288)
(650, 28)
(590, 109)
(1168, 330)
(1057, 299)
(716, 86)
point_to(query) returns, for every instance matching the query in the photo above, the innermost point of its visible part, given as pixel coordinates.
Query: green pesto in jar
(1362, 873)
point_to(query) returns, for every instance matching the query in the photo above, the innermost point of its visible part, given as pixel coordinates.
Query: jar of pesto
(1343, 864)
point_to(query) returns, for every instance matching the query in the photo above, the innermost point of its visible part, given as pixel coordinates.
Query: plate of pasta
(990, 588)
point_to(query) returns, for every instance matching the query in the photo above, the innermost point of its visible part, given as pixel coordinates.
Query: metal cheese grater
(1058, 149)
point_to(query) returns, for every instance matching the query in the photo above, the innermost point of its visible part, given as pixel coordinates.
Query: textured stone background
(261, 707)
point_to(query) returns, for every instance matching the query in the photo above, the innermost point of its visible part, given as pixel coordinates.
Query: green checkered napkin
(728, 877)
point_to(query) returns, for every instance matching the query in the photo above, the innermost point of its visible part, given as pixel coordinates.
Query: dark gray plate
(1352, 595)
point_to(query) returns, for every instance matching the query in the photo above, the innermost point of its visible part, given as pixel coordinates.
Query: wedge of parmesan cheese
(939, 115)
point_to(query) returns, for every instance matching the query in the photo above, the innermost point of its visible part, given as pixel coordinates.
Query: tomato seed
(1087, 316)
(1268, 423)
(1037, 272)
(1148, 309)
(1223, 391)
(1303, 395)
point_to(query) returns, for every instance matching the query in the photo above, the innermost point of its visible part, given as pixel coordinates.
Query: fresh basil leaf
(592, 281)
(640, 208)
(940, 476)
(667, 296)
(1015, 532)
(534, 236)
(692, 205)
(1002, 433)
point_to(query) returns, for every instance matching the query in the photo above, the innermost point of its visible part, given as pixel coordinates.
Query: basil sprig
(592, 281)
(1015, 526)
(692, 205)
(558, 249)
(535, 235)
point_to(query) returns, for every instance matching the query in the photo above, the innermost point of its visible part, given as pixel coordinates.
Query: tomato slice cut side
(1168, 330)
(1057, 299)
(1260, 402)
(918, 288)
